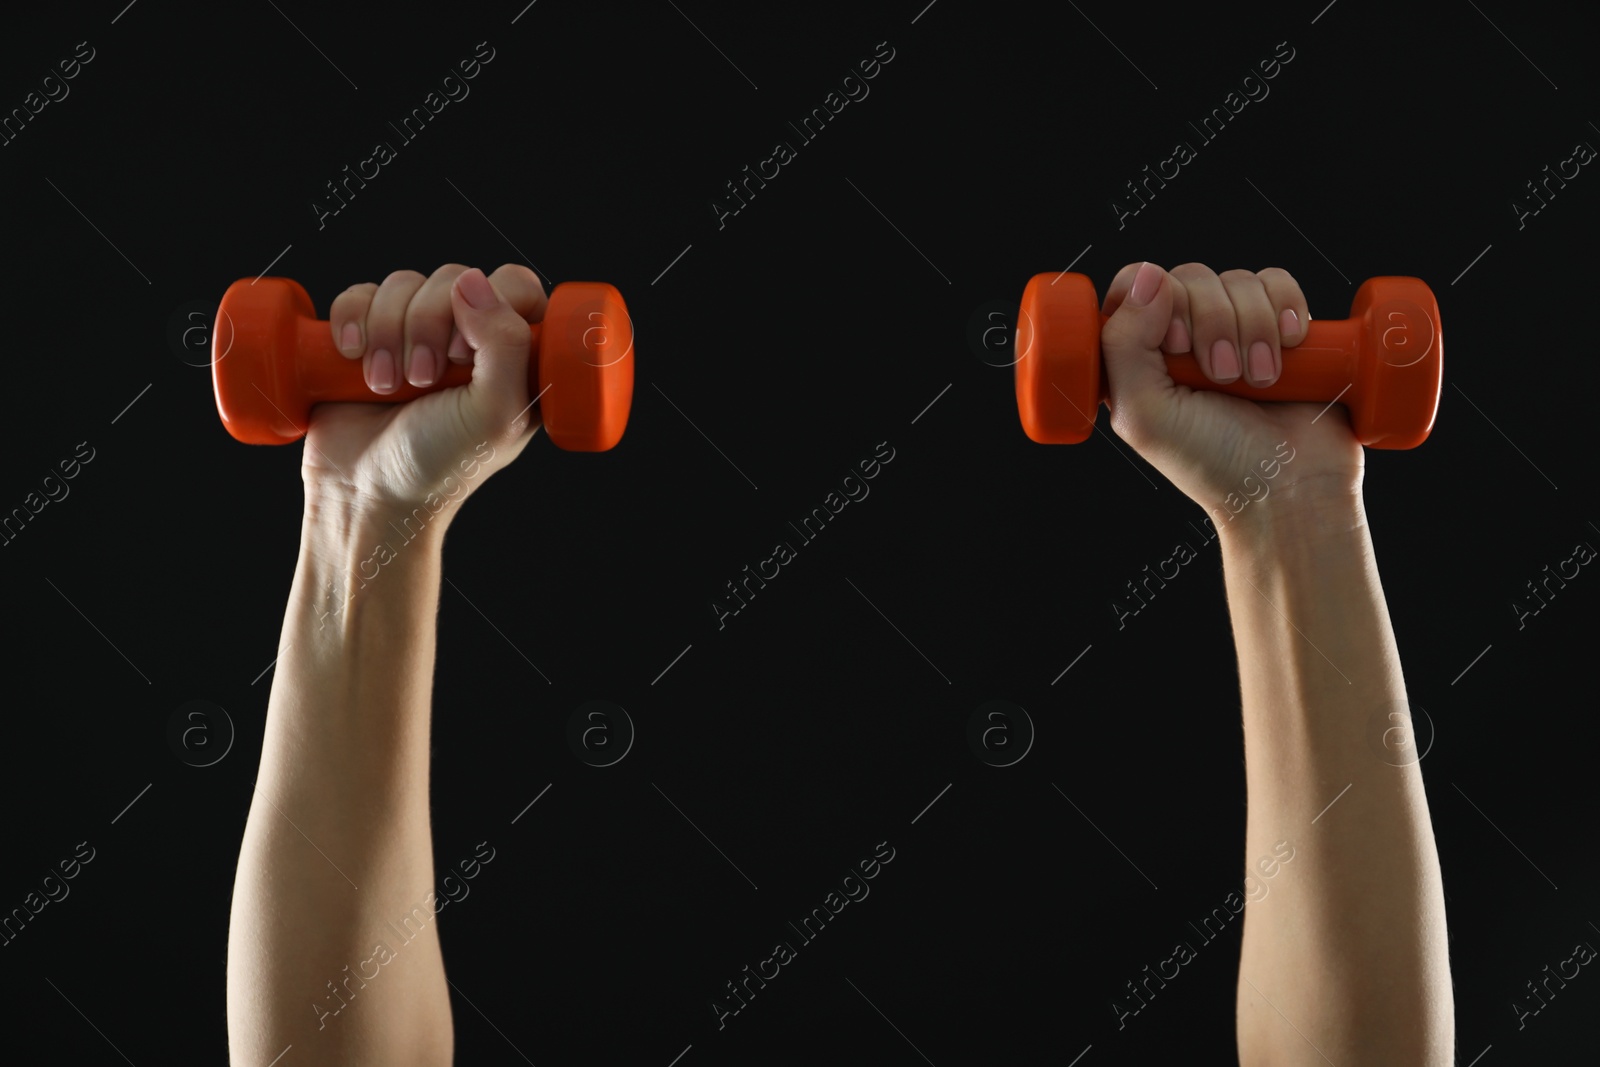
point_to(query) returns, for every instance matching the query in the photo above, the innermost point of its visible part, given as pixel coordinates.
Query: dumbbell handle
(326, 375)
(1319, 368)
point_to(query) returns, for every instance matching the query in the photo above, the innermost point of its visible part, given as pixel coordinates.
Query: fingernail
(1144, 284)
(460, 352)
(1224, 360)
(1261, 362)
(350, 337)
(422, 366)
(1177, 339)
(1288, 324)
(476, 288)
(382, 371)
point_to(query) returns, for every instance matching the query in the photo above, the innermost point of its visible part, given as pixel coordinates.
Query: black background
(797, 337)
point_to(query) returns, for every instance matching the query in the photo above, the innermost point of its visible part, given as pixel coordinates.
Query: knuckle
(1134, 426)
(509, 331)
(506, 426)
(383, 323)
(1121, 283)
(1237, 277)
(380, 318)
(518, 279)
(1121, 330)
(445, 276)
(1215, 320)
(355, 297)
(401, 277)
(1208, 300)
(423, 319)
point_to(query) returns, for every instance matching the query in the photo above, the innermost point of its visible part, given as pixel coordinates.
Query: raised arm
(333, 943)
(1350, 943)
(1345, 958)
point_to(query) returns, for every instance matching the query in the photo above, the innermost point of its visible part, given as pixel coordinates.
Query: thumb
(501, 341)
(1141, 297)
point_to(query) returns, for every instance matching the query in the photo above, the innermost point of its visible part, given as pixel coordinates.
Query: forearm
(337, 853)
(1345, 941)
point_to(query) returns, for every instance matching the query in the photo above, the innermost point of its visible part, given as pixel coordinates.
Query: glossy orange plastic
(1384, 363)
(271, 360)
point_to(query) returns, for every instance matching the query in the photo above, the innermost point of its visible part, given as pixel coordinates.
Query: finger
(1177, 338)
(1257, 325)
(1179, 335)
(1214, 333)
(348, 317)
(1117, 292)
(1288, 305)
(1136, 373)
(522, 289)
(460, 351)
(386, 329)
(501, 343)
(429, 320)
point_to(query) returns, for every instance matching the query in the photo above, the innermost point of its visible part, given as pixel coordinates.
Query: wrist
(353, 551)
(1298, 519)
(340, 523)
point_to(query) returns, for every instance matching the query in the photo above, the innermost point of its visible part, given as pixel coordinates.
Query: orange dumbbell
(271, 360)
(1383, 362)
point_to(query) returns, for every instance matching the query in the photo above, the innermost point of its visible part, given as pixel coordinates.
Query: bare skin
(333, 938)
(1345, 960)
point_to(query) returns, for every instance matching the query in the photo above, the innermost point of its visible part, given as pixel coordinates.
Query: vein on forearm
(354, 679)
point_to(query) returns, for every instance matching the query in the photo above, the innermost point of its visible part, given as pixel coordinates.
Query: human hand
(1224, 451)
(401, 455)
